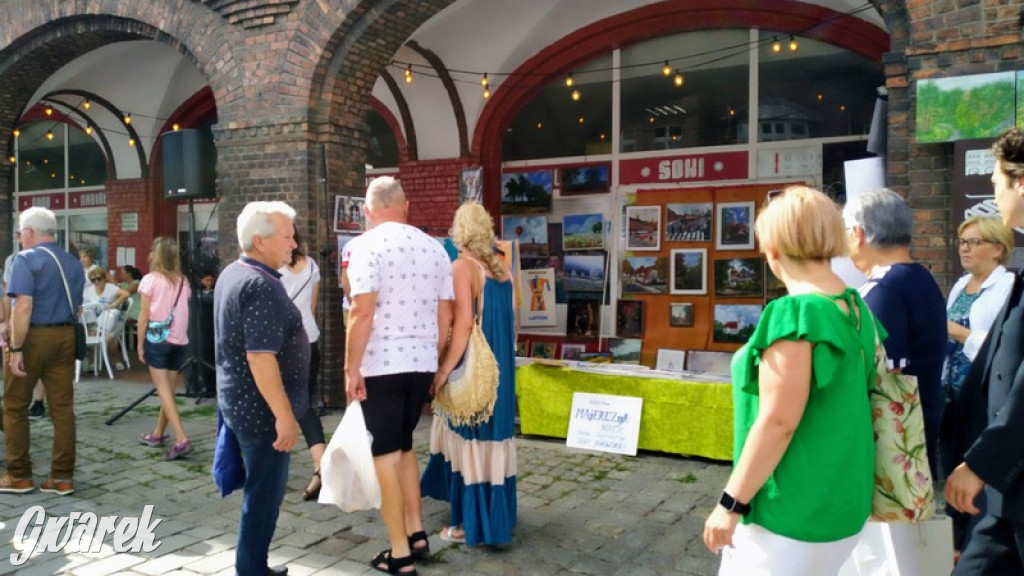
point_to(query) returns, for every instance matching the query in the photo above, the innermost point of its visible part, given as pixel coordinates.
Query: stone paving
(579, 513)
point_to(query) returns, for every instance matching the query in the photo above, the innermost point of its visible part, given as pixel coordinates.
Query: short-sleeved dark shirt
(35, 274)
(252, 313)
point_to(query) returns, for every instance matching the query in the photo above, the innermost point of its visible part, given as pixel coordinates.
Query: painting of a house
(735, 322)
(739, 278)
(688, 222)
(644, 275)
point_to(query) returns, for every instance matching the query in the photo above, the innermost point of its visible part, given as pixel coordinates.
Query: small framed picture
(348, 214)
(530, 231)
(688, 273)
(583, 319)
(739, 278)
(735, 322)
(573, 351)
(671, 360)
(625, 350)
(522, 348)
(527, 192)
(585, 179)
(544, 350)
(644, 275)
(629, 318)
(688, 222)
(583, 232)
(643, 228)
(734, 226)
(680, 314)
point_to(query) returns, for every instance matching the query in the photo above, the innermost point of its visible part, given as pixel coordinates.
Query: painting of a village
(739, 277)
(643, 227)
(584, 272)
(526, 192)
(735, 322)
(644, 275)
(734, 226)
(688, 222)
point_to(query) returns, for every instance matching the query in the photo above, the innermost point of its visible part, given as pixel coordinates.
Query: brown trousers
(49, 355)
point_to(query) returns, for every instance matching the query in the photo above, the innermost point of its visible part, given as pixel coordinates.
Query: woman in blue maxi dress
(474, 467)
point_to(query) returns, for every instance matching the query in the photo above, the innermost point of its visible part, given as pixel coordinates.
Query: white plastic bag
(348, 478)
(903, 549)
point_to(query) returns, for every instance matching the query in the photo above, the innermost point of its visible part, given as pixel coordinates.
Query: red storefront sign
(685, 168)
(48, 201)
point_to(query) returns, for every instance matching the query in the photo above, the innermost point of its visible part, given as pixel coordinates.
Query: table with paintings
(686, 414)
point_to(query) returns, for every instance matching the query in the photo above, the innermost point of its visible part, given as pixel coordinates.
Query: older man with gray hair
(262, 357)
(401, 289)
(46, 288)
(903, 295)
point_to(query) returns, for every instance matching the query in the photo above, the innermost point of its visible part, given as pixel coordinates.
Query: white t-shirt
(299, 287)
(410, 272)
(89, 296)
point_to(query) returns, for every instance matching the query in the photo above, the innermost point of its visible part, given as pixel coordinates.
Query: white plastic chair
(106, 323)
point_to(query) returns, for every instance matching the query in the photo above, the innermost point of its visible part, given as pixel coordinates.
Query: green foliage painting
(965, 107)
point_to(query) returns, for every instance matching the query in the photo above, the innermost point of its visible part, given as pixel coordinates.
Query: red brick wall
(130, 196)
(432, 188)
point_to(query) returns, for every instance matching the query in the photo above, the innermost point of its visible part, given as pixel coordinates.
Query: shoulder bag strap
(67, 290)
(309, 266)
(479, 313)
(181, 284)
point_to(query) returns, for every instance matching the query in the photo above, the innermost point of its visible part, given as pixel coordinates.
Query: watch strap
(731, 504)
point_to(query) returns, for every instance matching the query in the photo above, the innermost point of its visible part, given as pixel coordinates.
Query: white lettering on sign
(93, 199)
(41, 201)
(681, 169)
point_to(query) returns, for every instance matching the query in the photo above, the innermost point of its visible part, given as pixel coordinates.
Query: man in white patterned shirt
(401, 290)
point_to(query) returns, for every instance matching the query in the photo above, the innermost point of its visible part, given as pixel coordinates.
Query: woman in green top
(804, 455)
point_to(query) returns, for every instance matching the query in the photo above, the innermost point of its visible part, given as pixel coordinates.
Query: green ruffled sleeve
(811, 318)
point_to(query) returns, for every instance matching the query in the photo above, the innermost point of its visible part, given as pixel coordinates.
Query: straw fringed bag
(468, 397)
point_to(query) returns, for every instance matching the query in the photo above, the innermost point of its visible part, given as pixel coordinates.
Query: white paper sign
(604, 423)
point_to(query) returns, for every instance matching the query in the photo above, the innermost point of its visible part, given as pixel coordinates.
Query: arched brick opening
(635, 26)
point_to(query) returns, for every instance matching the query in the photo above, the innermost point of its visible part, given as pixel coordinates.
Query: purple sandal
(152, 440)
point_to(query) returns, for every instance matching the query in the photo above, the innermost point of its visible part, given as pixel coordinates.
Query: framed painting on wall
(543, 350)
(680, 314)
(735, 322)
(688, 222)
(583, 232)
(584, 272)
(348, 214)
(583, 319)
(471, 185)
(739, 278)
(526, 192)
(644, 275)
(523, 348)
(688, 272)
(530, 231)
(629, 318)
(643, 228)
(573, 351)
(671, 360)
(625, 350)
(585, 179)
(734, 226)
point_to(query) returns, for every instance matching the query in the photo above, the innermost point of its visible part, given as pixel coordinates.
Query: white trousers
(758, 552)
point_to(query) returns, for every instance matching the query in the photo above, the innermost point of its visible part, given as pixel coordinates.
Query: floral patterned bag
(903, 480)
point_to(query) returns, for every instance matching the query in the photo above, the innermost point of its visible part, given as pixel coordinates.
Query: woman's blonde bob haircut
(473, 232)
(992, 230)
(802, 223)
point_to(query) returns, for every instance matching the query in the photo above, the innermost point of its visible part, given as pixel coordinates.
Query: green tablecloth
(681, 417)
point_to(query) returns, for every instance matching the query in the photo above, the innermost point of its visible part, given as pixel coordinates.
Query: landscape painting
(735, 322)
(689, 271)
(773, 287)
(688, 222)
(739, 278)
(965, 107)
(625, 350)
(526, 192)
(584, 272)
(583, 232)
(585, 179)
(644, 275)
(680, 314)
(530, 231)
(734, 226)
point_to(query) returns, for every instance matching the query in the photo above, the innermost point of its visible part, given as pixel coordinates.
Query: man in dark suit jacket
(990, 427)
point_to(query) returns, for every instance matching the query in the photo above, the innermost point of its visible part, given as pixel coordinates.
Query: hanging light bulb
(666, 70)
(49, 110)
(820, 97)
(581, 119)
(569, 80)
(792, 43)
(540, 125)
(652, 119)
(408, 74)
(576, 95)
(487, 92)
(17, 132)
(86, 104)
(776, 47)
(88, 129)
(131, 142)
(12, 159)
(679, 81)
(49, 135)
(175, 127)
(128, 118)
(484, 81)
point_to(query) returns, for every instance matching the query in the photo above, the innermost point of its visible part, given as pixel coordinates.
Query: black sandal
(312, 491)
(422, 552)
(391, 564)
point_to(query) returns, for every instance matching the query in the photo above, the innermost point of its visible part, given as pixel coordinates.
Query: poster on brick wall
(471, 185)
(348, 214)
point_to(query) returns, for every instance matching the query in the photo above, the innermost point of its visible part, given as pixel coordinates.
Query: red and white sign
(48, 201)
(93, 199)
(685, 168)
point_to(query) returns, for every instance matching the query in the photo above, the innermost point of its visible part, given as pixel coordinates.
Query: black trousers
(310, 424)
(996, 548)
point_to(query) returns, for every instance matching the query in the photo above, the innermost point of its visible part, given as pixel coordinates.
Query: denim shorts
(165, 356)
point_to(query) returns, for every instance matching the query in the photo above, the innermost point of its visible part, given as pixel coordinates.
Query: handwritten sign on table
(604, 423)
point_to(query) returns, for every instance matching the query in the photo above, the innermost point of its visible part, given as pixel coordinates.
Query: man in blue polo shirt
(41, 347)
(262, 357)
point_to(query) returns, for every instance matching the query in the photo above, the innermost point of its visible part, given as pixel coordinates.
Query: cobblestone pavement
(579, 513)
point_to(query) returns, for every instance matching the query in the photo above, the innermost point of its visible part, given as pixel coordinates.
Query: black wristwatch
(13, 349)
(733, 505)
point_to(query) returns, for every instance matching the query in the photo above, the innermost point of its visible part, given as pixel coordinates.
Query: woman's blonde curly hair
(473, 231)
